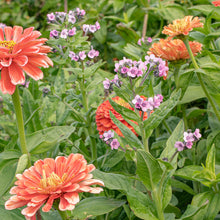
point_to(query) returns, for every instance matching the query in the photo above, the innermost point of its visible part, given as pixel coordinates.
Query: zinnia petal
(5, 83)
(16, 74)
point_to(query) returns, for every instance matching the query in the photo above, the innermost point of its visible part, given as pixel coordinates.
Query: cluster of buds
(149, 104)
(109, 139)
(89, 28)
(82, 55)
(157, 65)
(60, 17)
(108, 84)
(189, 138)
(143, 40)
(133, 69)
(63, 34)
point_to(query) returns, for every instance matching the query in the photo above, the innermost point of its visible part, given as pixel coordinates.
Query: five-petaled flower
(63, 178)
(21, 51)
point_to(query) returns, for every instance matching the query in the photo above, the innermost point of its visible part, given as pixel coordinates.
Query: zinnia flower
(174, 49)
(21, 51)
(104, 121)
(216, 3)
(49, 179)
(182, 26)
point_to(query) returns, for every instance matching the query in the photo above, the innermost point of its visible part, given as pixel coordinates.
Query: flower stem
(200, 79)
(89, 124)
(20, 123)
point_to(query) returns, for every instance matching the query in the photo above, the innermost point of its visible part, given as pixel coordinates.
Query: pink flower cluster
(108, 83)
(63, 34)
(88, 28)
(188, 138)
(144, 41)
(60, 17)
(133, 69)
(149, 104)
(157, 65)
(109, 139)
(82, 55)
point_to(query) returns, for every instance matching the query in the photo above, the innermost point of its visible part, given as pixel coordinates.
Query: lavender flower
(71, 19)
(72, 32)
(93, 53)
(106, 83)
(54, 34)
(51, 17)
(82, 55)
(179, 145)
(108, 135)
(64, 33)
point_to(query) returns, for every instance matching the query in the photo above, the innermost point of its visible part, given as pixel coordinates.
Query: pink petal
(33, 71)
(8, 33)
(65, 205)
(17, 33)
(16, 74)
(21, 60)
(72, 197)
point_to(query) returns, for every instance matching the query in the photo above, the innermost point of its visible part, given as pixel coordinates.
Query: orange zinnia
(216, 3)
(104, 121)
(50, 179)
(182, 26)
(21, 51)
(174, 49)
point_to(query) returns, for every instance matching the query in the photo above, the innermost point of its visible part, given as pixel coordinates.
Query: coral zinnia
(174, 49)
(216, 3)
(104, 121)
(50, 179)
(21, 51)
(182, 26)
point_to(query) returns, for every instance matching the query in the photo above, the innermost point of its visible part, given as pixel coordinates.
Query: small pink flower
(197, 135)
(71, 19)
(97, 25)
(189, 144)
(179, 145)
(92, 28)
(106, 83)
(82, 55)
(149, 40)
(72, 32)
(114, 144)
(108, 135)
(64, 33)
(188, 137)
(51, 17)
(86, 28)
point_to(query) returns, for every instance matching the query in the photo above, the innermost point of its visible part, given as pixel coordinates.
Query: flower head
(103, 119)
(115, 144)
(182, 26)
(174, 49)
(21, 51)
(63, 178)
(179, 145)
(216, 3)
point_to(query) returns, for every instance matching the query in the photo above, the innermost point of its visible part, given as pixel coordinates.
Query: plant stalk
(186, 42)
(20, 124)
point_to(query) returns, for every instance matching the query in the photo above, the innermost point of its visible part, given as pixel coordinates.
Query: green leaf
(130, 137)
(118, 5)
(210, 160)
(192, 211)
(89, 71)
(22, 163)
(125, 112)
(7, 173)
(169, 150)
(43, 140)
(188, 172)
(192, 93)
(148, 169)
(213, 207)
(29, 107)
(95, 206)
(101, 34)
(211, 138)
(10, 214)
(159, 114)
(113, 158)
(177, 184)
(140, 203)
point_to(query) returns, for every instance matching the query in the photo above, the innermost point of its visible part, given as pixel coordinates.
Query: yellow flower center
(8, 44)
(52, 182)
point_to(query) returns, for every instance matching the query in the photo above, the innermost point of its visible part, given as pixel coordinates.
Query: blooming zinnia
(63, 178)
(216, 3)
(174, 49)
(21, 51)
(104, 121)
(182, 26)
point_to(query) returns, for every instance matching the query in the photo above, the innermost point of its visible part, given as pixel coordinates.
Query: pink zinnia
(48, 180)
(21, 51)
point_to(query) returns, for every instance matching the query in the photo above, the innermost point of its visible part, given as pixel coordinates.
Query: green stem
(20, 123)
(167, 127)
(63, 214)
(158, 203)
(89, 124)
(200, 79)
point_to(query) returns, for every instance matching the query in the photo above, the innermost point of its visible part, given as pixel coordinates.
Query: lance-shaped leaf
(148, 169)
(130, 137)
(125, 112)
(159, 114)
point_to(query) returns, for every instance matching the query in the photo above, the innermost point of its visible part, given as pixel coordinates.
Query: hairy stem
(20, 123)
(200, 79)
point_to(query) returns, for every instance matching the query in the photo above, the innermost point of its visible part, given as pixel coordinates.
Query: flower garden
(110, 110)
